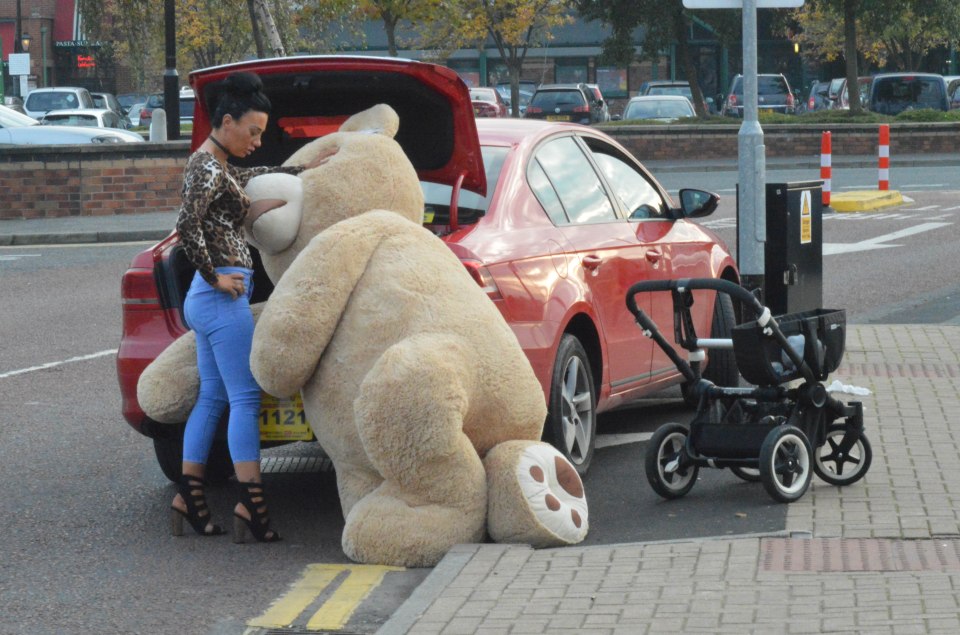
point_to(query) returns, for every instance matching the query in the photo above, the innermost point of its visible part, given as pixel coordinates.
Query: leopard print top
(210, 222)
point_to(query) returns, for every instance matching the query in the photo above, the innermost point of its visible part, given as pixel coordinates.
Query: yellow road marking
(336, 611)
(361, 580)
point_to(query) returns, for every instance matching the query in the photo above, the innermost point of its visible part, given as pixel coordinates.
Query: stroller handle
(724, 286)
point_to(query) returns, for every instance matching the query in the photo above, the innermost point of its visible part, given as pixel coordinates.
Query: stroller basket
(762, 360)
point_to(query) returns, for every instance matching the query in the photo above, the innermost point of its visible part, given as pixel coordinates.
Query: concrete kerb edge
(459, 556)
(78, 238)
(429, 590)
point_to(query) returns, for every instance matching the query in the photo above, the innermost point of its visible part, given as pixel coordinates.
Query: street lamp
(17, 43)
(25, 42)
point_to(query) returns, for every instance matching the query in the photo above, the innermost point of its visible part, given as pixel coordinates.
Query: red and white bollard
(825, 166)
(884, 155)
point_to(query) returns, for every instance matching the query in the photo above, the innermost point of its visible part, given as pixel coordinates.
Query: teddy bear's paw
(536, 496)
(554, 492)
(276, 207)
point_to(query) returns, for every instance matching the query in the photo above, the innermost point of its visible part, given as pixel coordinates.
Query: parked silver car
(86, 117)
(18, 129)
(40, 101)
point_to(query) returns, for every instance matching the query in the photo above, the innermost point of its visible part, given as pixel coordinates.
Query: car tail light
(146, 114)
(138, 291)
(482, 276)
(790, 100)
(811, 104)
(534, 109)
(732, 101)
(581, 109)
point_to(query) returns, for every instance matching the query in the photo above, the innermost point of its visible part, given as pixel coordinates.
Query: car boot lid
(312, 95)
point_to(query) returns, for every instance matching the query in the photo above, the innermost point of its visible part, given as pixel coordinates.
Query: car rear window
(550, 99)
(766, 85)
(483, 94)
(470, 206)
(72, 120)
(657, 109)
(893, 95)
(683, 91)
(52, 101)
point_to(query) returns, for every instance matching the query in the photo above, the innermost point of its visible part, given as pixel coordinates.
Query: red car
(555, 221)
(487, 102)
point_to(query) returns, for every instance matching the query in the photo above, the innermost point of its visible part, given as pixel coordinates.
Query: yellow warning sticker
(806, 217)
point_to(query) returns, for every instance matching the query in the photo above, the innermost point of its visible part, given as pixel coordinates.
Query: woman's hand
(321, 158)
(231, 283)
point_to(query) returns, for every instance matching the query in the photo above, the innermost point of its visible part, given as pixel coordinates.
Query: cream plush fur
(408, 372)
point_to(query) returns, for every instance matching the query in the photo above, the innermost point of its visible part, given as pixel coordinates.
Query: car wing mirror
(697, 203)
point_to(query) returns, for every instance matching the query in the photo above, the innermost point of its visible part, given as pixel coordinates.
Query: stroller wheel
(749, 474)
(669, 468)
(785, 463)
(840, 465)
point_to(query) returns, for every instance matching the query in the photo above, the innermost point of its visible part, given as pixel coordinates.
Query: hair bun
(242, 84)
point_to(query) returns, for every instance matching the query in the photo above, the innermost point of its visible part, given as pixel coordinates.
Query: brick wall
(52, 181)
(720, 142)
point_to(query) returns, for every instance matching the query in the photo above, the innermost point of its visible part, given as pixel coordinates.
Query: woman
(217, 307)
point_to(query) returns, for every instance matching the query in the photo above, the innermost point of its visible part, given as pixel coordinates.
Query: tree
(888, 32)
(514, 26)
(665, 22)
(136, 29)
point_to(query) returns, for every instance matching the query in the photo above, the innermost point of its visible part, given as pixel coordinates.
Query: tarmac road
(84, 522)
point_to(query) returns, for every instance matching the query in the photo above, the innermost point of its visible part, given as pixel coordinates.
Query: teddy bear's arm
(304, 310)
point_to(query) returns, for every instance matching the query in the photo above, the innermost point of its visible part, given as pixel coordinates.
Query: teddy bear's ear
(381, 119)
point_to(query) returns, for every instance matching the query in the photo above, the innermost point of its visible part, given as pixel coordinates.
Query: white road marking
(951, 209)
(920, 209)
(830, 249)
(81, 358)
(610, 440)
(18, 257)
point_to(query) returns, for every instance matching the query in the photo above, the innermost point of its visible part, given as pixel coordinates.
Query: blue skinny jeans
(224, 331)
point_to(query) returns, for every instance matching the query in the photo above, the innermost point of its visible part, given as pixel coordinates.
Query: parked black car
(893, 93)
(773, 95)
(565, 102)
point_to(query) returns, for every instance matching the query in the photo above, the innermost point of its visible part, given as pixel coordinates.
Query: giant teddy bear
(412, 381)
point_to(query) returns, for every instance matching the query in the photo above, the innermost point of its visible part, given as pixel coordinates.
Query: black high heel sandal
(190, 489)
(251, 497)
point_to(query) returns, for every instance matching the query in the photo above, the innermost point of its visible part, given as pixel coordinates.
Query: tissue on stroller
(836, 386)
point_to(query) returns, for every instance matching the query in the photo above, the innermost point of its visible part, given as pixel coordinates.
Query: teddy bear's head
(366, 170)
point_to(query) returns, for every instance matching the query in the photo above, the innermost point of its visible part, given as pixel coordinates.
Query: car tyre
(572, 416)
(722, 367)
(169, 452)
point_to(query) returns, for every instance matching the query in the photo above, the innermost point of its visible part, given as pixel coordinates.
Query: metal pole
(17, 48)
(43, 52)
(752, 221)
(171, 81)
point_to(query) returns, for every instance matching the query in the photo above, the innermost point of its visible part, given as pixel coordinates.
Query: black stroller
(769, 432)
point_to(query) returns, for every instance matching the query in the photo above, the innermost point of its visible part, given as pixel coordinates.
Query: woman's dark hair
(236, 95)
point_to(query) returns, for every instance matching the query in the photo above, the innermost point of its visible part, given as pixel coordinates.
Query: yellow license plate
(558, 117)
(283, 419)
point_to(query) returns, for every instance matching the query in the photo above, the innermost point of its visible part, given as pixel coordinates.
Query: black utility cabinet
(793, 254)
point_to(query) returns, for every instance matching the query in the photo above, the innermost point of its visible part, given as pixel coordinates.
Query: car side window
(545, 193)
(575, 182)
(638, 196)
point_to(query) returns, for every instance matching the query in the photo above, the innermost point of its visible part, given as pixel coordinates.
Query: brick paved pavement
(879, 556)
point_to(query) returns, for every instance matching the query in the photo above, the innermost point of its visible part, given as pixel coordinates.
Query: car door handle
(591, 262)
(654, 255)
